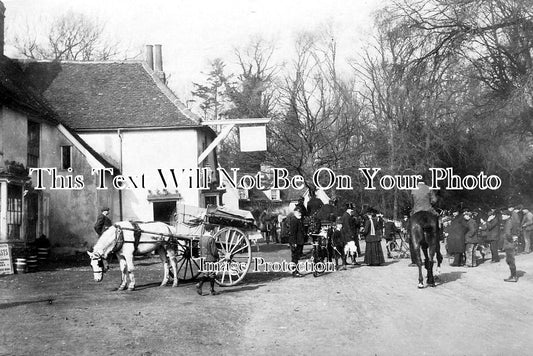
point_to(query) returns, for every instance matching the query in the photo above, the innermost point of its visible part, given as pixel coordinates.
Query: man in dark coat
(471, 239)
(296, 238)
(492, 227)
(527, 228)
(350, 226)
(314, 204)
(509, 245)
(102, 222)
(209, 251)
(328, 212)
(455, 241)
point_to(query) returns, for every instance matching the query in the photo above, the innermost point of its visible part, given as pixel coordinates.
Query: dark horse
(424, 231)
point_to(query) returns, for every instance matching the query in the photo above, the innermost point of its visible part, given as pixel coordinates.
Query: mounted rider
(423, 198)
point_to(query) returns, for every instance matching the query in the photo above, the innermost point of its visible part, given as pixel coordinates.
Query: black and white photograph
(253, 177)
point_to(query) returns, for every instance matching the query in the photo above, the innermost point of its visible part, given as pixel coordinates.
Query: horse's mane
(105, 242)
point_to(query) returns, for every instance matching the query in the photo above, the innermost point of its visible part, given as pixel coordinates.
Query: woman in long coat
(455, 241)
(373, 253)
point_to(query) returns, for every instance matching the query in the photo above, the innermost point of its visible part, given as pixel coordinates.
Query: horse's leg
(131, 268)
(171, 254)
(124, 271)
(163, 256)
(428, 262)
(415, 248)
(439, 259)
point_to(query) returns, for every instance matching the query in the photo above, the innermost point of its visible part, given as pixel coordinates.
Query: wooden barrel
(31, 263)
(20, 265)
(42, 254)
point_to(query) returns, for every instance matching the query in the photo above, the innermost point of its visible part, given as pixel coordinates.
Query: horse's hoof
(420, 285)
(432, 285)
(121, 288)
(131, 289)
(174, 286)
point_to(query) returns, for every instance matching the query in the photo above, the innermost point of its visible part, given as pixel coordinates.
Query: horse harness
(119, 236)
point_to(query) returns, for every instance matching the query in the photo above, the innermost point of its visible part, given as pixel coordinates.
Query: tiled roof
(108, 95)
(16, 91)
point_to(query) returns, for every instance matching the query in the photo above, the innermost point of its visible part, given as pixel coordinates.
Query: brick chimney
(158, 63)
(2, 12)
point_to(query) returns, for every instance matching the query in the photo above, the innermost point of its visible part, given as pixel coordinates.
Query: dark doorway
(32, 206)
(163, 210)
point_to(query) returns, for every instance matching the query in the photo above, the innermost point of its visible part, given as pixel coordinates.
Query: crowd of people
(469, 235)
(346, 226)
(472, 234)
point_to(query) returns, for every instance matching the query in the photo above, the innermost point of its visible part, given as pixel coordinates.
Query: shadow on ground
(449, 277)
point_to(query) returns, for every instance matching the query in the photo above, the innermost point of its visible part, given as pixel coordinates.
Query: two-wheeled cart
(228, 228)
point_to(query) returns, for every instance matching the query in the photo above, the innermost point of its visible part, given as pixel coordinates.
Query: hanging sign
(252, 138)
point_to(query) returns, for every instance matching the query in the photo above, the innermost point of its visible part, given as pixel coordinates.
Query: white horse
(120, 239)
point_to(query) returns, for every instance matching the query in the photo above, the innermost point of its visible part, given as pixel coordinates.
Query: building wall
(72, 212)
(143, 153)
(13, 136)
(65, 216)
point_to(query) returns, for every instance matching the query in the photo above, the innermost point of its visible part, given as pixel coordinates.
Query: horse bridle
(119, 239)
(100, 260)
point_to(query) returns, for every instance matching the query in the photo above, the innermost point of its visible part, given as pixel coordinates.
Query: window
(243, 194)
(14, 211)
(274, 194)
(211, 200)
(164, 211)
(66, 157)
(33, 144)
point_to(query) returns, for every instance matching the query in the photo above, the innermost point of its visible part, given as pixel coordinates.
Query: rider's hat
(105, 208)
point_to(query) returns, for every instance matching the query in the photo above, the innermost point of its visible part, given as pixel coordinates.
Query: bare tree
(319, 125)
(72, 36)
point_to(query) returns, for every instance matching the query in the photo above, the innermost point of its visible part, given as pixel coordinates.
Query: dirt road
(361, 311)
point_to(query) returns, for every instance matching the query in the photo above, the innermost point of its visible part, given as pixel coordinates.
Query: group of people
(496, 230)
(348, 228)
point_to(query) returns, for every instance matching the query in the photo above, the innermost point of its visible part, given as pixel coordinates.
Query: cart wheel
(236, 253)
(187, 266)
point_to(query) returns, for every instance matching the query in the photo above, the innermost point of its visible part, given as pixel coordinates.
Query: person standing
(509, 245)
(348, 227)
(296, 238)
(391, 232)
(314, 204)
(209, 251)
(471, 239)
(102, 222)
(516, 227)
(338, 241)
(373, 252)
(455, 241)
(527, 229)
(493, 234)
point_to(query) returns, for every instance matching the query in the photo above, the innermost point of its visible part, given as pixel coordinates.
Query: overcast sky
(193, 32)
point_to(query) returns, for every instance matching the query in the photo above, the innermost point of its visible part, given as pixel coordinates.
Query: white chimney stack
(158, 62)
(149, 56)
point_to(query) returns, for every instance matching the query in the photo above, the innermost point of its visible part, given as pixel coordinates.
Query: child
(209, 251)
(509, 246)
(337, 241)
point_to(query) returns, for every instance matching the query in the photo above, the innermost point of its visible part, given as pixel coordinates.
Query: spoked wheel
(235, 253)
(188, 266)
